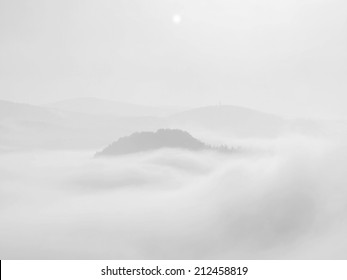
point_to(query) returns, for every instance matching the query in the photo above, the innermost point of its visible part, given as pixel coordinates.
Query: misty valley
(94, 179)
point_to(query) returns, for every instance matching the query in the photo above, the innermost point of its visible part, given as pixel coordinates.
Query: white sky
(282, 56)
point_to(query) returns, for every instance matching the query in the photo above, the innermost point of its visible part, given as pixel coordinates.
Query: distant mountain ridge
(32, 126)
(15, 110)
(162, 138)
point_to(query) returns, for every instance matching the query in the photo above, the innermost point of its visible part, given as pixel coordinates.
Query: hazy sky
(286, 56)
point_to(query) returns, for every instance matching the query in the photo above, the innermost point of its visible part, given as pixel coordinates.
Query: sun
(176, 19)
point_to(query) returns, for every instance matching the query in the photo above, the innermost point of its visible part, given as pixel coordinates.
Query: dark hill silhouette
(162, 138)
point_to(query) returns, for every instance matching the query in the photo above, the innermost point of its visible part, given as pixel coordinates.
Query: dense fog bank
(287, 203)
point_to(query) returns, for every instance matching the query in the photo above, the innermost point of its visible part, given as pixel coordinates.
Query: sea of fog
(287, 201)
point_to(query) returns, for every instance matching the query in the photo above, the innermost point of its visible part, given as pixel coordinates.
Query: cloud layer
(289, 203)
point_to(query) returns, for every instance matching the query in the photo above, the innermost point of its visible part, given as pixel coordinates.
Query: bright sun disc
(176, 19)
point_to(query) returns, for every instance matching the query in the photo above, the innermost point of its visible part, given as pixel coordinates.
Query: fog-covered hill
(162, 138)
